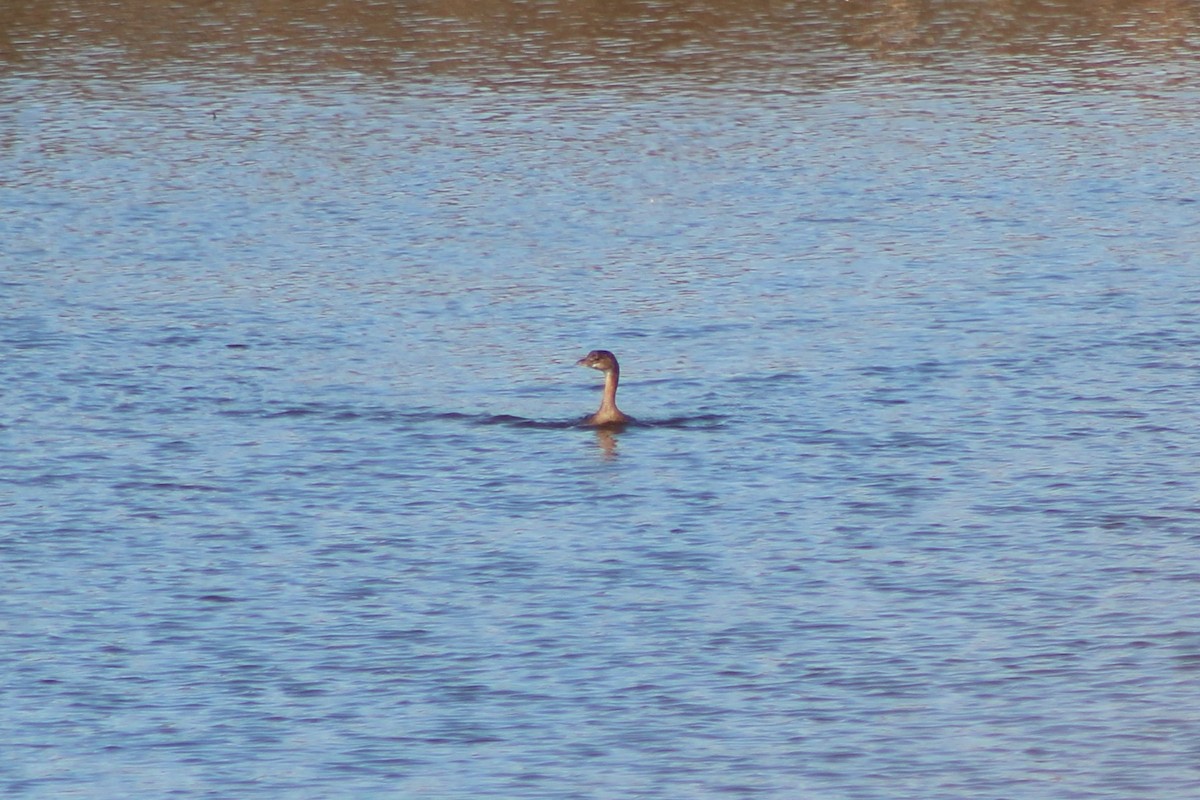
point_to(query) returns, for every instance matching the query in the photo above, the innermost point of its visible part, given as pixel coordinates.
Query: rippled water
(292, 498)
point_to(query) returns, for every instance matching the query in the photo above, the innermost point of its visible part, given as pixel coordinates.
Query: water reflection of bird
(609, 414)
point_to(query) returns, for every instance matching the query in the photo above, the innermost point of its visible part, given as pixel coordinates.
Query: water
(293, 503)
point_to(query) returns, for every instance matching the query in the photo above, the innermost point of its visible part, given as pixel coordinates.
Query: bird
(608, 415)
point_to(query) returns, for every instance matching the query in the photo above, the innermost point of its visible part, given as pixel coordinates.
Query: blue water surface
(293, 501)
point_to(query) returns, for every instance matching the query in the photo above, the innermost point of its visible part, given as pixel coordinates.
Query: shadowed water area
(294, 501)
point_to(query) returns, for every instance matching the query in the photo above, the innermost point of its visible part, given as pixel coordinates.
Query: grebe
(608, 414)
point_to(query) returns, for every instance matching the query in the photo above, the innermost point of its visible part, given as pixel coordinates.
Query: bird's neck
(609, 400)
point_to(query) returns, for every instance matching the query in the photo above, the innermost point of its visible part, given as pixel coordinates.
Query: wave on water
(338, 412)
(694, 422)
(702, 421)
(314, 409)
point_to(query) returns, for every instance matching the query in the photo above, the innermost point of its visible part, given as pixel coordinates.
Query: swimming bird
(609, 414)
